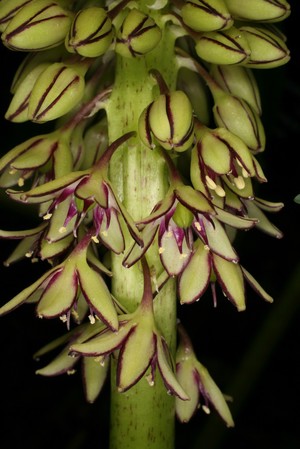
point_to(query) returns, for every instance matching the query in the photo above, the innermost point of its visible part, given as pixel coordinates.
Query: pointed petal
(59, 365)
(111, 232)
(218, 240)
(55, 249)
(49, 190)
(214, 395)
(60, 294)
(186, 377)
(230, 277)
(194, 200)
(132, 228)
(136, 251)
(103, 344)
(12, 235)
(25, 294)
(97, 294)
(256, 286)
(167, 373)
(135, 356)
(94, 375)
(195, 277)
(268, 206)
(264, 223)
(173, 259)
(234, 220)
(161, 209)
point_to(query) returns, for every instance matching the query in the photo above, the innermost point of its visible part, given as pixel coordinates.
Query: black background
(253, 355)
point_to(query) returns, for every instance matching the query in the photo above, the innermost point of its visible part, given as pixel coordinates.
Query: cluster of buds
(203, 124)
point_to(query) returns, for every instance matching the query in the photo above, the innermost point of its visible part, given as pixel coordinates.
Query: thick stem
(143, 417)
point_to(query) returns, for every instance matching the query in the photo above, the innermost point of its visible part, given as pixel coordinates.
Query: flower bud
(138, 35)
(221, 150)
(17, 111)
(268, 50)
(91, 33)
(208, 15)
(8, 9)
(238, 81)
(260, 10)
(171, 121)
(57, 90)
(223, 47)
(38, 25)
(236, 115)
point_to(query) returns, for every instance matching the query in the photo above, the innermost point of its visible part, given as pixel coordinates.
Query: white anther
(95, 239)
(210, 183)
(47, 216)
(198, 226)
(161, 250)
(92, 319)
(239, 182)
(220, 191)
(20, 182)
(62, 230)
(206, 409)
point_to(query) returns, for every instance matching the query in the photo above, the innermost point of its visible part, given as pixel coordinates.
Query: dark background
(253, 355)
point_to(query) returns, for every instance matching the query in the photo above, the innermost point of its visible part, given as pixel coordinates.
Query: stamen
(63, 318)
(20, 182)
(210, 183)
(198, 226)
(47, 216)
(71, 371)
(161, 250)
(206, 409)
(62, 230)
(220, 191)
(239, 182)
(95, 239)
(92, 319)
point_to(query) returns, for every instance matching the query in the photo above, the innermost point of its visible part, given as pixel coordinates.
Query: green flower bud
(260, 10)
(208, 15)
(91, 33)
(18, 109)
(223, 47)
(236, 115)
(268, 49)
(40, 24)
(138, 35)
(8, 9)
(171, 121)
(57, 90)
(33, 60)
(238, 81)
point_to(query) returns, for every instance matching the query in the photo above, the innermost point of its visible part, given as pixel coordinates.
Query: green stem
(144, 416)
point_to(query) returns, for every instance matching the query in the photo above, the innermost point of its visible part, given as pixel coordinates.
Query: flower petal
(59, 365)
(230, 277)
(186, 376)
(167, 373)
(97, 294)
(27, 292)
(105, 343)
(60, 294)
(218, 240)
(94, 375)
(196, 276)
(135, 356)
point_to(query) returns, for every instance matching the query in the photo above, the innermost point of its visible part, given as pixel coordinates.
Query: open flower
(71, 197)
(57, 292)
(198, 383)
(94, 371)
(139, 344)
(206, 266)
